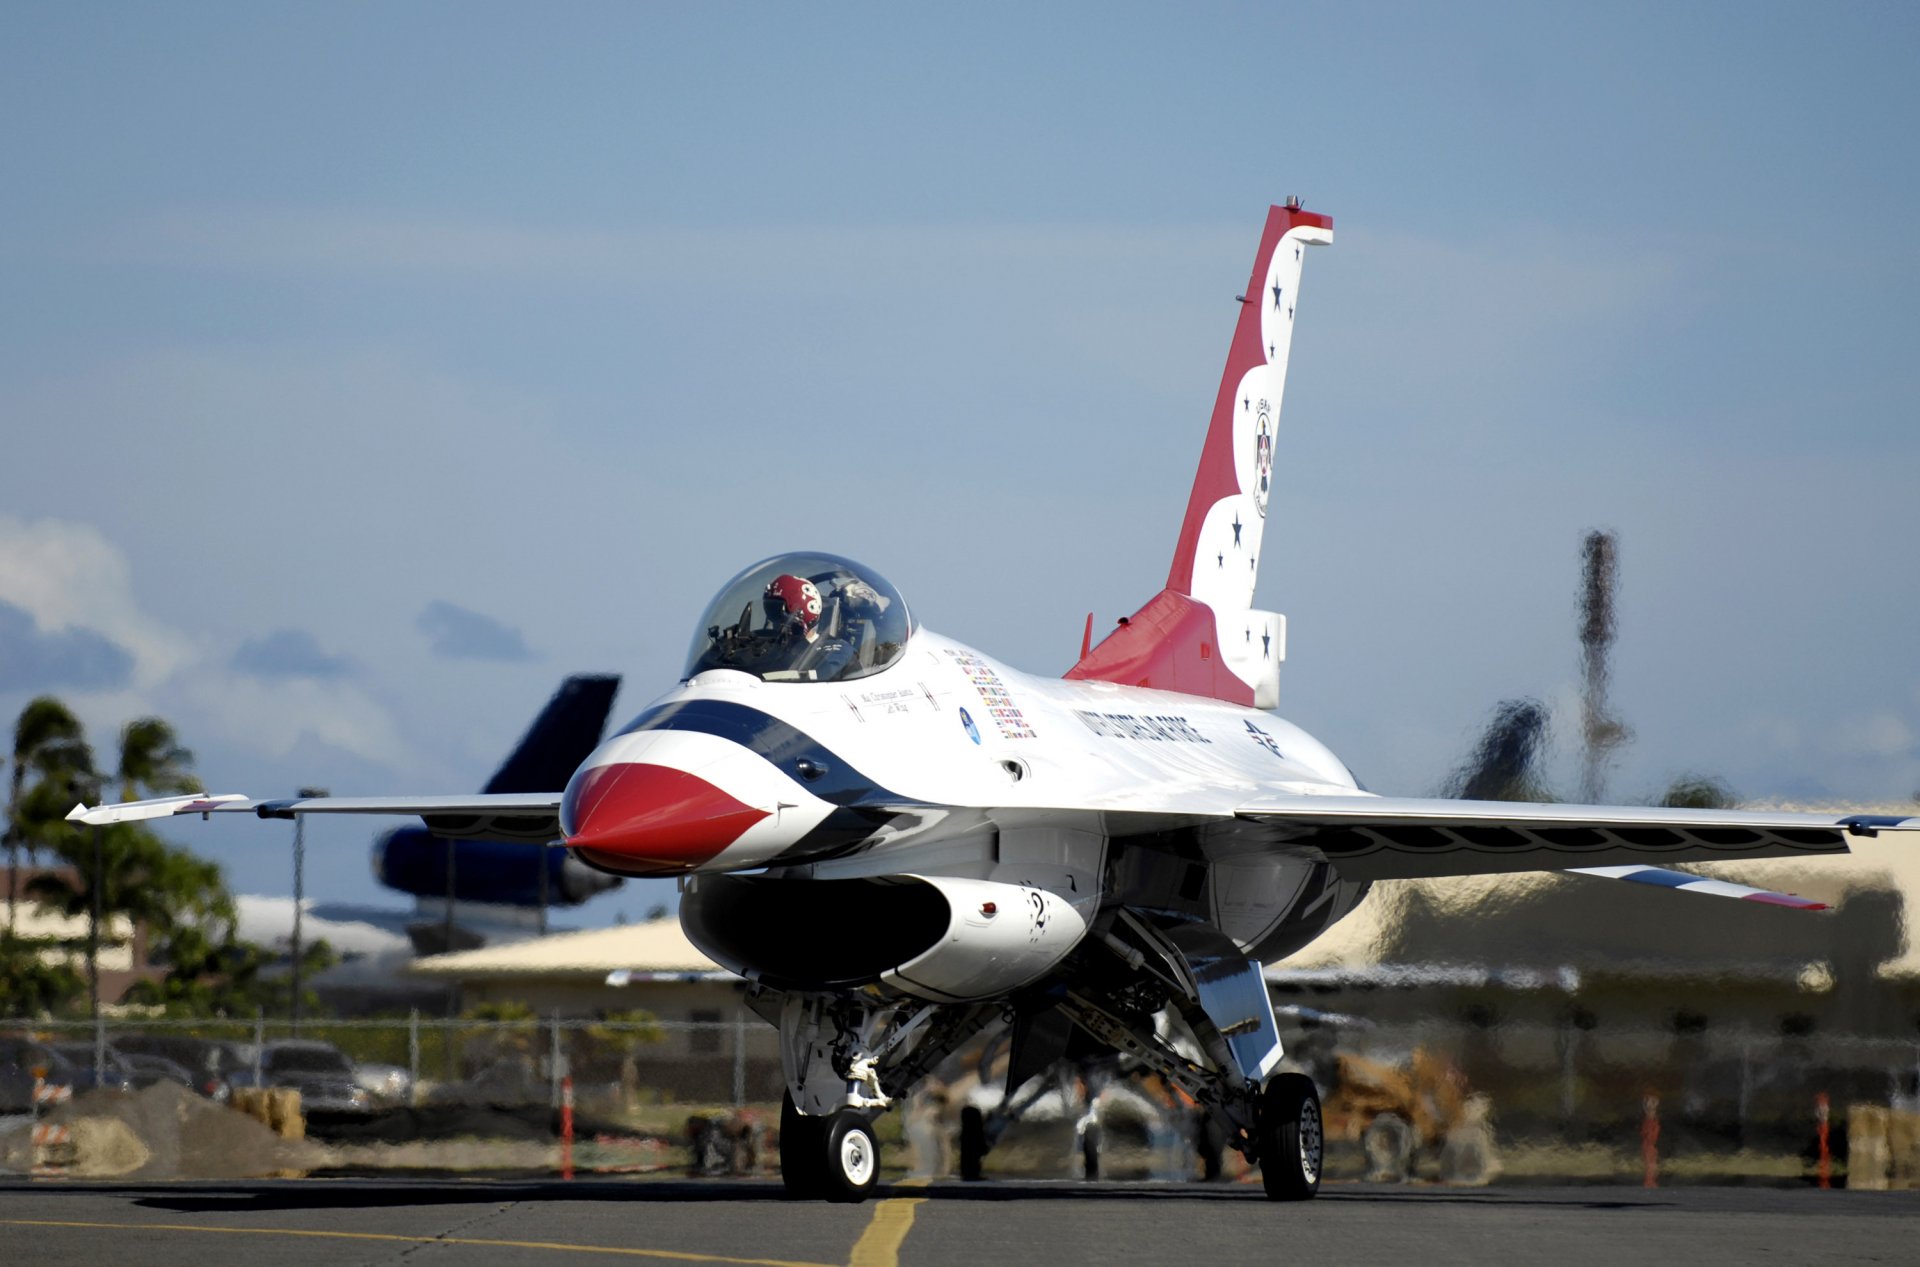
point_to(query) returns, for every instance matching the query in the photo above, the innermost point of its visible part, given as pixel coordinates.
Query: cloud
(68, 612)
(77, 657)
(459, 634)
(288, 653)
(71, 580)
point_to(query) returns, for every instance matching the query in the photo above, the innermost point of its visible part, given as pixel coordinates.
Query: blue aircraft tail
(566, 730)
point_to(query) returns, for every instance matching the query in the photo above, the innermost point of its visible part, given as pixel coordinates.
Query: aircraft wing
(1399, 838)
(527, 817)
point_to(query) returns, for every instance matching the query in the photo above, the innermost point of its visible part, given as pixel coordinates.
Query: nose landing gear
(834, 1158)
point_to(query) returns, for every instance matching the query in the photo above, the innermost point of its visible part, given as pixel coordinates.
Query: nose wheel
(833, 1158)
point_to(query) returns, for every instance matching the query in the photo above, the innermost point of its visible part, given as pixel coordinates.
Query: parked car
(16, 1075)
(390, 1084)
(320, 1072)
(209, 1063)
(19, 1057)
(149, 1069)
(115, 1072)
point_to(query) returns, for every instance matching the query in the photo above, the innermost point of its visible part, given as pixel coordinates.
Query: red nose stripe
(657, 814)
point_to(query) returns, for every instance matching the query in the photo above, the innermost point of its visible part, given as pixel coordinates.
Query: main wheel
(1209, 1144)
(803, 1152)
(1291, 1142)
(851, 1157)
(973, 1143)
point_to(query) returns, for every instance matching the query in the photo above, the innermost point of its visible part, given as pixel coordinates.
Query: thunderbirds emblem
(1262, 456)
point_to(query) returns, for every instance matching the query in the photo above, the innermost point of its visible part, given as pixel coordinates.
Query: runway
(474, 1222)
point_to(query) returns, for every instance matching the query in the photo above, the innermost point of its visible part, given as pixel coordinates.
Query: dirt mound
(168, 1132)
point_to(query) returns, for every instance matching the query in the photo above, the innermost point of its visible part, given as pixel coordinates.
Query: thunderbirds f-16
(898, 840)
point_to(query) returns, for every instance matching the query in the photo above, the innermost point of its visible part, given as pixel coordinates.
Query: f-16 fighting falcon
(898, 840)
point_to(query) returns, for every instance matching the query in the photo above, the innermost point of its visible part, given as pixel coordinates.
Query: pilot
(793, 605)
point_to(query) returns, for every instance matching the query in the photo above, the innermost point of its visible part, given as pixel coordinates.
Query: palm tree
(153, 760)
(49, 741)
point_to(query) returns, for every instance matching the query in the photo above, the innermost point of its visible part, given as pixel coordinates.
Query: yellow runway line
(879, 1245)
(618, 1250)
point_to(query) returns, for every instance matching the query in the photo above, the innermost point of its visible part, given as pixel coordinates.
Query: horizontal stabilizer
(1685, 883)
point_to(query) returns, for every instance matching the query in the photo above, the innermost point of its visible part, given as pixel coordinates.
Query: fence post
(413, 1055)
(553, 1058)
(1650, 1141)
(1821, 1114)
(1746, 1085)
(566, 1127)
(259, 1041)
(739, 1059)
(99, 1050)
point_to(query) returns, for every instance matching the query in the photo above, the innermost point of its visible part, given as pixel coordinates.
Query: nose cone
(651, 818)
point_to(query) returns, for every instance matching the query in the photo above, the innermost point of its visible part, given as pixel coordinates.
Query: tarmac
(295, 1223)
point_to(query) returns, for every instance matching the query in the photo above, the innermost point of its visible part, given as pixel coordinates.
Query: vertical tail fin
(1201, 634)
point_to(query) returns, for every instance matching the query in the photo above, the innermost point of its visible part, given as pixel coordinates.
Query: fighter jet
(899, 840)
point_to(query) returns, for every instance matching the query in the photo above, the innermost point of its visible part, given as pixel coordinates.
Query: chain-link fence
(1742, 1088)
(1556, 1101)
(1613, 1103)
(614, 1065)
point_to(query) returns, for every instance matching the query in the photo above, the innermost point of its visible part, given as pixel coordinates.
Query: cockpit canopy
(803, 618)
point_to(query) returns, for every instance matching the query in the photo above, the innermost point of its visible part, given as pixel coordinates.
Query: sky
(366, 369)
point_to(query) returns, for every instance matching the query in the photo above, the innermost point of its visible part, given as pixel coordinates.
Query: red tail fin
(1201, 635)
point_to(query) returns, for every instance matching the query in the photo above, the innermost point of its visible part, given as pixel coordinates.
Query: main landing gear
(834, 1158)
(1289, 1137)
(848, 1056)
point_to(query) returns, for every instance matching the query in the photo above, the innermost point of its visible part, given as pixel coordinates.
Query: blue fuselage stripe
(788, 748)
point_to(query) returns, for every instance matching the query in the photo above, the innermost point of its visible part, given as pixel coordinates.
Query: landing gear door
(1233, 994)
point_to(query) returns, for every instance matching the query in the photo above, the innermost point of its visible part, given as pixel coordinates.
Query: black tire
(1090, 1151)
(1209, 1144)
(803, 1152)
(1292, 1142)
(850, 1160)
(973, 1143)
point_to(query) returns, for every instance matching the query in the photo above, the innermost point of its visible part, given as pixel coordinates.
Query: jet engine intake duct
(934, 937)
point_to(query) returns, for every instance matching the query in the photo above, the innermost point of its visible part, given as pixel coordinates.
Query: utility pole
(446, 931)
(300, 894)
(1600, 731)
(93, 927)
(546, 888)
(93, 940)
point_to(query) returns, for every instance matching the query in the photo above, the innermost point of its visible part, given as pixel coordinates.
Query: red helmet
(792, 598)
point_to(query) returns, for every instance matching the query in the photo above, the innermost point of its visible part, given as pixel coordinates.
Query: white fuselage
(949, 727)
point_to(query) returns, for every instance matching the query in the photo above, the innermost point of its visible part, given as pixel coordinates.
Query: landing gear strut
(834, 1157)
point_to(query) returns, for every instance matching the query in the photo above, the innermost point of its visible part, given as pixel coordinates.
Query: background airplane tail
(1201, 635)
(500, 875)
(567, 730)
